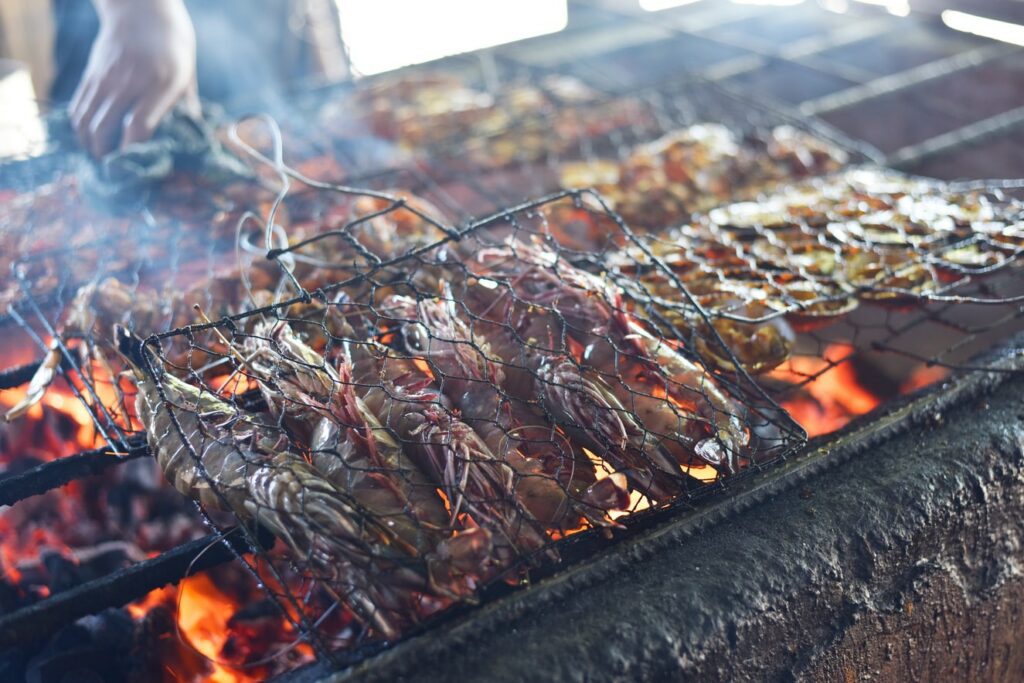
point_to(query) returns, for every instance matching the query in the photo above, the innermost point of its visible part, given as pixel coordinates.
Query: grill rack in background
(663, 109)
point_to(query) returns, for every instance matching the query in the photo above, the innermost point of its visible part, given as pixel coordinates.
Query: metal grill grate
(440, 405)
(961, 305)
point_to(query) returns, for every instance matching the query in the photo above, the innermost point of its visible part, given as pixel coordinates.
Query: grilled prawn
(537, 371)
(473, 381)
(679, 404)
(236, 462)
(474, 481)
(318, 405)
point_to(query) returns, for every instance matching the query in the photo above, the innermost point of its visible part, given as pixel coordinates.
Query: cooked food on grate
(662, 183)
(417, 410)
(805, 256)
(53, 238)
(417, 469)
(449, 118)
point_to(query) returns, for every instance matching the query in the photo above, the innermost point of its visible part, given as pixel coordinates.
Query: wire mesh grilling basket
(423, 406)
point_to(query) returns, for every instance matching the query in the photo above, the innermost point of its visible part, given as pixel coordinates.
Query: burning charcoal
(92, 649)
(445, 401)
(12, 664)
(157, 647)
(105, 558)
(63, 572)
(662, 183)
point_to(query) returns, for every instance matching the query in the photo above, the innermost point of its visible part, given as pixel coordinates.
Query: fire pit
(871, 314)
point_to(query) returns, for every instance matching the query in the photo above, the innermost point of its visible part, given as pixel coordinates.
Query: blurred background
(918, 79)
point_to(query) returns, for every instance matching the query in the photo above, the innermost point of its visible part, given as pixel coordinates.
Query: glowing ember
(57, 404)
(203, 616)
(161, 596)
(705, 473)
(423, 366)
(923, 376)
(207, 644)
(830, 394)
(637, 500)
(232, 385)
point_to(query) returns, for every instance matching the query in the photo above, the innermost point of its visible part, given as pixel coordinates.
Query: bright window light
(21, 128)
(899, 8)
(386, 34)
(779, 3)
(985, 27)
(655, 5)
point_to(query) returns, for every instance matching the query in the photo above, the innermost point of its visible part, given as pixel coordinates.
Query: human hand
(142, 63)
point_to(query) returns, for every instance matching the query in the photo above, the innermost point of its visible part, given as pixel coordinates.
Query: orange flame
(923, 376)
(637, 500)
(832, 397)
(424, 367)
(203, 615)
(233, 384)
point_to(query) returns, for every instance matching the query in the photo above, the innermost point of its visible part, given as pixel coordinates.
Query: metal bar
(801, 53)
(844, 35)
(904, 79)
(705, 18)
(848, 72)
(967, 135)
(585, 43)
(56, 473)
(16, 376)
(102, 426)
(60, 471)
(38, 621)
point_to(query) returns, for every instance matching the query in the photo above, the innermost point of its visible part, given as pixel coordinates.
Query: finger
(191, 100)
(83, 94)
(146, 115)
(84, 113)
(105, 126)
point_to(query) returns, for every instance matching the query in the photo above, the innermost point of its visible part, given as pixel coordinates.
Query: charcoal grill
(715, 636)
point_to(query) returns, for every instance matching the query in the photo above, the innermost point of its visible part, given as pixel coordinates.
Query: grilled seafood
(538, 372)
(100, 306)
(445, 415)
(868, 231)
(470, 127)
(594, 312)
(394, 227)
(661, 184)
(809, 254)
(230, 461)
(473, 381)
(372, 229)
(473, 480)
(742, 313)
(318, 405)
(352, 450)
(681, 404)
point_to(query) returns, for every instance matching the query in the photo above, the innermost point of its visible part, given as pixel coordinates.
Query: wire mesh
(422, 406)
(462, 122)
(630, 145)
(434, 419)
